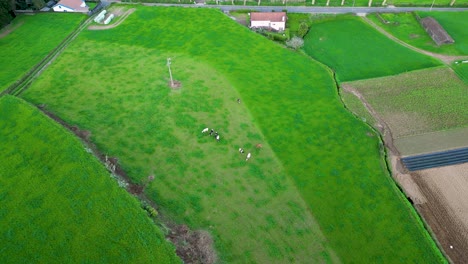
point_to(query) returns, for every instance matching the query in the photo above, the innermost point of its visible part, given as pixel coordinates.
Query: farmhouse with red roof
(271, 20)
(71, 6)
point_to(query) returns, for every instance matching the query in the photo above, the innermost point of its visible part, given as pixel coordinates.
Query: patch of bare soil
(192, 246)
(446, 209)
(174, 84)
(119, 15)
(9, 28)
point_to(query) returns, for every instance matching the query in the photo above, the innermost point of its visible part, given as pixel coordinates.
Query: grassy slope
(335, 166)
(59, 204)
(462, 70)
(35, 37)
(418, 102)
(360, 52)
(405, 27)
(153, 130)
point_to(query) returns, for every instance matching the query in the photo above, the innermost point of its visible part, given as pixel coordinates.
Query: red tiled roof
(268, 16)
(74, 4)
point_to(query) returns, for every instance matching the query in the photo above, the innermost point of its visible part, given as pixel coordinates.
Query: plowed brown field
(446, 207)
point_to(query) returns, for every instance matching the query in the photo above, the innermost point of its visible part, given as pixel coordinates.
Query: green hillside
(60, 205)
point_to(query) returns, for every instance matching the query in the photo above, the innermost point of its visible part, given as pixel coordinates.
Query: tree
(295, 43)
(303, 29)
(6, 12)
(38, 4)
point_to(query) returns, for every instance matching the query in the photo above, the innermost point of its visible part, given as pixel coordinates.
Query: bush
(149, 209)
(295, 43)
(303, 29)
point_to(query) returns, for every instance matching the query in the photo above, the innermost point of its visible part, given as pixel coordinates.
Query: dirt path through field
(8, 29)
(118, 13)
(447, 59)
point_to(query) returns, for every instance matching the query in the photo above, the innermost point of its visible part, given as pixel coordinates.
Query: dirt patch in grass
(445, 209)
(119, 14)
(9, 28)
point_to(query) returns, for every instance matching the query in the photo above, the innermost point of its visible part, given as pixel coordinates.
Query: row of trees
(6, 12)
(8, 6)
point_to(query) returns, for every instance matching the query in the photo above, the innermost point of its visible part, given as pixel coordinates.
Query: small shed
(271, 20)
(436, 31)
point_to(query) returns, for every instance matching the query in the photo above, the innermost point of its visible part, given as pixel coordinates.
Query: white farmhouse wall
(260, 24)
(277, 25)
(61, 8)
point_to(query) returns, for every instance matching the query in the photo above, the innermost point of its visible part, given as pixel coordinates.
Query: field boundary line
(446, 59)
(22, 84)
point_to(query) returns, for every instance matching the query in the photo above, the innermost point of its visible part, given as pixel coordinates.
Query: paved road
(320, 9)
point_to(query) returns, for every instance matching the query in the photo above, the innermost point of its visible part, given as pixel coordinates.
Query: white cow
(217, 137)
(205, 130)
(248, 156)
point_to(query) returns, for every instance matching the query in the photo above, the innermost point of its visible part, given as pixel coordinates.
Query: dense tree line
(6, 12)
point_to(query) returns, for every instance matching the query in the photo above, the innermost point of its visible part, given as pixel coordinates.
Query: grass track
(59, 204)
(360, 52)
(406, 27)
(31, 41)
(336, 167)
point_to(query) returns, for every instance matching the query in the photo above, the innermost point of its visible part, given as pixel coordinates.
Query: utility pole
(170, 73)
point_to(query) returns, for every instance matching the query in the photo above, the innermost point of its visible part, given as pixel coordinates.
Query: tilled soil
(446, 207)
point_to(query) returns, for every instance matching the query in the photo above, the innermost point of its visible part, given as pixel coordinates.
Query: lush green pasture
(406, 27)
(360, 52)
(33, 38)
(418, 102)
(59, 204)
(289, 104)
(126, 102)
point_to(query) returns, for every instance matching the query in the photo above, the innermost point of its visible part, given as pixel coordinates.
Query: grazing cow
(211, 132)
(241, 150)
(204, 130)
(216, 134)
(248, 156)
(259, 146)
(217, 138)
(238, 100)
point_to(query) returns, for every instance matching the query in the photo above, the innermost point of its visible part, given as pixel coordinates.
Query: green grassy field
(375, 3)
(31, 40)
(360, 52)
(405, 27)
(59, 204)
(418, 102)
(289, 104)
(462, 70)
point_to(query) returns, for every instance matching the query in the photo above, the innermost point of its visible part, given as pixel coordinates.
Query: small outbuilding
(436, 31)
(270, 20)
(71, 6)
